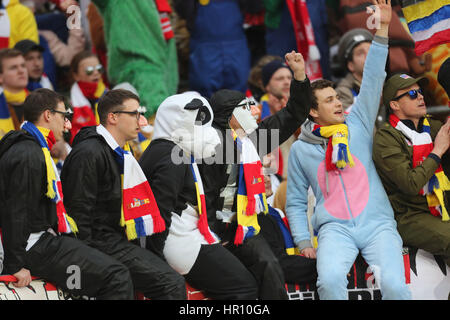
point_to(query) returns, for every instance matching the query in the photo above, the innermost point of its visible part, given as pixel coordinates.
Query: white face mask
(201, 142)
(244, 116)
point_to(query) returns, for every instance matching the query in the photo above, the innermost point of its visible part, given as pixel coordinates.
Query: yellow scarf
(15, 98)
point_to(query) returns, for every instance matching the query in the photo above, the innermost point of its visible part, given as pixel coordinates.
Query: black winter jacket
(24, 207)
(92, 190)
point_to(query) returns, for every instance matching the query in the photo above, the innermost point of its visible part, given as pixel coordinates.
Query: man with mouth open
(410, 154)
(334, 156)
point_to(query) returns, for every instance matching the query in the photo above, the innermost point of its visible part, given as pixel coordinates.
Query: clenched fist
(297, 64)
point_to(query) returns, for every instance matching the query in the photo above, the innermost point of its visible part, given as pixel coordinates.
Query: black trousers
(257, 256)
(221, 275)
(151, 275)
(79, 269)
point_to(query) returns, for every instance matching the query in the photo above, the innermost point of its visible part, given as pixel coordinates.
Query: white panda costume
(182, 132)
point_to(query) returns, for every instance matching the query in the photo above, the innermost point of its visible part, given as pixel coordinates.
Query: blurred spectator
(87, 89)
(444, 76)
(17, 23)
(14, 81)
(280, 36)
(353, 48)
(147, 58)
(255, 85)
(35, 64)
(219, 54)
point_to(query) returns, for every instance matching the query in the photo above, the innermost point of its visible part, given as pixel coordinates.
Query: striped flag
(428, 22)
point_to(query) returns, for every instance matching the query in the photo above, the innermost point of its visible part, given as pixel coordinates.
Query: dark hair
(319, 85)
(78, 58)
(113, 101)
(6, 54)
(38, 101)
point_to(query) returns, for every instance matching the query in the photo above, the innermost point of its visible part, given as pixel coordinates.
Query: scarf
(46, 140)
(338, 152)
(422, 146)
(278, 215)
(16, 98)
(203, 218)
(251, 197)
(6, 122)
(83, 113)
(139, 213)
(304, 36)
(5, 25)
(43, 82)
(164, 11)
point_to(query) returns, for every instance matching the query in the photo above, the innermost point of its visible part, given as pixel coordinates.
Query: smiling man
(333, 156)
(410, 154)
(109, 197)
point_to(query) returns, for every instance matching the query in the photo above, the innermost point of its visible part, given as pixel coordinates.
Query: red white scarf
(201, 203)
(422, 146)
(304, 35)
(140, 214)
(83, 113)
(164, 11)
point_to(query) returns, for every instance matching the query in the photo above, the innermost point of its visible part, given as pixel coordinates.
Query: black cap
(269, 69)
(27, 45)
(223, 103)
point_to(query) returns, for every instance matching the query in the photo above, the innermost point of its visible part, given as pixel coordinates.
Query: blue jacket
(353, 197)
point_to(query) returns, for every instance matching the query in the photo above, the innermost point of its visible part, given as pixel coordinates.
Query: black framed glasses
(90, 70)
(413, 94)
(66, 114)
(137, 113)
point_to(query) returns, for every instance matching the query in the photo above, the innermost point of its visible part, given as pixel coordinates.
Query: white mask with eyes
(244, 116)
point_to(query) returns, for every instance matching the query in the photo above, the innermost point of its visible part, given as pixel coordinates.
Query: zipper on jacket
(346, 198)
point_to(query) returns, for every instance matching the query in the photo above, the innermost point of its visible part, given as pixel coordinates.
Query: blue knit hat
(269, 69)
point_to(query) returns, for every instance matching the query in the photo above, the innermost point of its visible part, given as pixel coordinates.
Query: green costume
(393, 156)
(137, 50)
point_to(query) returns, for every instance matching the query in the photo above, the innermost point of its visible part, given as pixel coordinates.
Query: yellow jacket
(23, 23)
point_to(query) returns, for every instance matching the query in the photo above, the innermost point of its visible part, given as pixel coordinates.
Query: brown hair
(78, 58)
(112, 101)
(6, 54)
(40, 100)
(319, 85)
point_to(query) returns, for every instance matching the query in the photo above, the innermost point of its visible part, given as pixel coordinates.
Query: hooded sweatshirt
(353, 197)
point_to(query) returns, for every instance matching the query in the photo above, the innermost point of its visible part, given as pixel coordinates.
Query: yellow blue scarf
(46, 140)
(338, 153)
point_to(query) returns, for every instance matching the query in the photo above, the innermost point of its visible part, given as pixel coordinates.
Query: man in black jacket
(220, 179)
(30, 219)
(91, 179)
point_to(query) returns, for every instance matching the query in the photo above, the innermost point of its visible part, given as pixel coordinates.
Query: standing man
(227, 191)
(334, 156)
(34, 62)
(108, 195)
(410, 154)
(36, 227)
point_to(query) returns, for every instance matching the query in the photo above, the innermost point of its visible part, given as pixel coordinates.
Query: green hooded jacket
(137, 50)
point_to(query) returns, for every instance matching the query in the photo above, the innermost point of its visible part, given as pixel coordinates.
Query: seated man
(34, 62)
(411, 156)
(352, 212)
(243, 143)
(108, 195)
(183, 128)
(33, 218)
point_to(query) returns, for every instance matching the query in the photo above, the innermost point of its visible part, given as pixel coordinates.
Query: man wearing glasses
(37, 231)
(100, 181)
(410, 155)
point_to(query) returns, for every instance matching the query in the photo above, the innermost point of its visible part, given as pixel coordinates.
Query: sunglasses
(247, 104)
(138, 113)
(90, 70)
(413, 94)
(67, 115)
